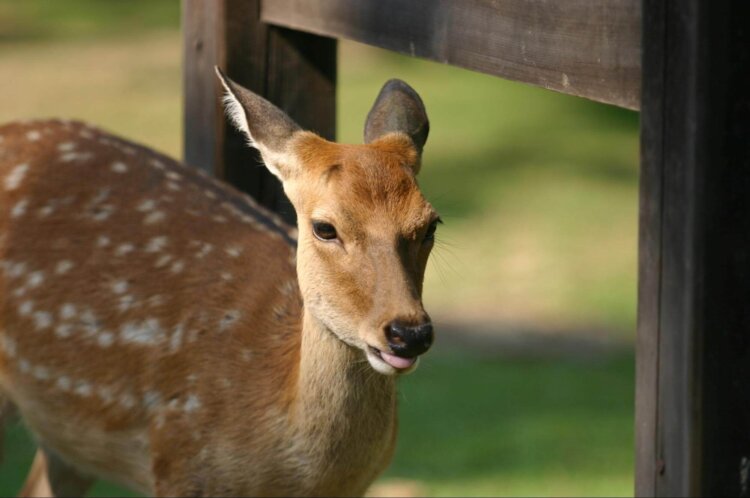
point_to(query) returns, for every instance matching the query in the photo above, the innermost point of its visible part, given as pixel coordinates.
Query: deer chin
(390, 364)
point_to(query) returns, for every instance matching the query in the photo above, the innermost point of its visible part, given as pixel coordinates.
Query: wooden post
(693, 349)
(294, 70)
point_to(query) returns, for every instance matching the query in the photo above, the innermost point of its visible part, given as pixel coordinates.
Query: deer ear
(266, 127)
(398, 108)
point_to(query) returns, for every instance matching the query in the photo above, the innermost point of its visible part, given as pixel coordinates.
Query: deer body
(152, 326)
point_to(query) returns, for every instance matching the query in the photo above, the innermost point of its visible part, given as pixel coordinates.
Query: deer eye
(324, 231)
(430, 235)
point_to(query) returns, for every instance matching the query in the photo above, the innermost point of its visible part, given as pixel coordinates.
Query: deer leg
(50, 476)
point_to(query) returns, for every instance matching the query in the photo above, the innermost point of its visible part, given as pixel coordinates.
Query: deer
(162, 330)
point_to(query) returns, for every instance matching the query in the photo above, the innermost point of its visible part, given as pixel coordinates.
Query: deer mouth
(389, 363)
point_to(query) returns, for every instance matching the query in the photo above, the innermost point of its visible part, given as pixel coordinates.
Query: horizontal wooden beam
(578, 47)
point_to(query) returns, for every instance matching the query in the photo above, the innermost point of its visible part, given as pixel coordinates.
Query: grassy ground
(538, 191)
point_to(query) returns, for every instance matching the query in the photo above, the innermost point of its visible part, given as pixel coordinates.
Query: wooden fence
(685, 64)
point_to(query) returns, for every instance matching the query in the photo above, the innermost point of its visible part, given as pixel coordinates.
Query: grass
(539, 194)
(517, 427)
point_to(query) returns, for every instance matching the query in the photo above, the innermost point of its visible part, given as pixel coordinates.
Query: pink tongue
(397, 361)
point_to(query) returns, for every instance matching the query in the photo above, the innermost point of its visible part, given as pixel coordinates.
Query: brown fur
(177, 368)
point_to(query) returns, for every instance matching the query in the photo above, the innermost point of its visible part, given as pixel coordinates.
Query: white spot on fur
(177, 266)
(24, 366)
(46, 210)
(41, 373)
(66, 147)
(173, 186)
(127, 401)
(63, 266)
(192, 403)
(156, 300)
(15, 177)
(226, 276)
(151, 400)
(103, 212)
(19, 209)
(26, 308)
(175, 342)
(147, 333)
(146, 205)
(126, 302)
(64, 383)
(35, 279)
(105, 393)
(42, 320)
(204, 250)
(154, 217)
(156, 163)
(63, 330)
(16, 270)
(119, 286)
(219, 218)
(90, 323)
(127, 150)
(75, 156)
(233, 251)
(287, 288)
(174, 176)
(163, 260)
(210, 194)
(83, 388)
(119, 167)
(86, 134)
(67, 311)
(124, 249)
(33, 136)
(156, 244)
(105, 339)
(8, 345)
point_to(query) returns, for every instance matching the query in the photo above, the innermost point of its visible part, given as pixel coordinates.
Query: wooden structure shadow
(685, 64)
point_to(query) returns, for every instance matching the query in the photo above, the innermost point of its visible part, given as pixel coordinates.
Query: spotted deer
(161, 330)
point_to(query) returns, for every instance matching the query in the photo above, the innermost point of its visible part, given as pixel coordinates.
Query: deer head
(365, 230)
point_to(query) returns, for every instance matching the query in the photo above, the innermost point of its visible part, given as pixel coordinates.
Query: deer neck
(344, 410)
(334, 376)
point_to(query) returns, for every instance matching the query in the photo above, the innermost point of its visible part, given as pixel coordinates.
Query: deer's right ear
(266, 127)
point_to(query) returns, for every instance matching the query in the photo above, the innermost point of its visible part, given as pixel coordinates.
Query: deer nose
(408, 341)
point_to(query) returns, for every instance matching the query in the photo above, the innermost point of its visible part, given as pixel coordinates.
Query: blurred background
(529, 389)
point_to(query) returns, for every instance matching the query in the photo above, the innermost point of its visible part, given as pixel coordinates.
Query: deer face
(365, 230)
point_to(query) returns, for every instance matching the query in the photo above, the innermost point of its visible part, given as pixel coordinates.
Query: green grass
(539, 194)
(517, 427)
(55, 20)
(491, 426)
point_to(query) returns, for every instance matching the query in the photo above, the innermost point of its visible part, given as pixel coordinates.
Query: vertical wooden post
(294, 70)
(693, 365)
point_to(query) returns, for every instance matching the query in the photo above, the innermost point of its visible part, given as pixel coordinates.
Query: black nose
(408, 341)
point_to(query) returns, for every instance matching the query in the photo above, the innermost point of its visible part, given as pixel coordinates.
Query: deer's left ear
(266, 127)
(399, 109)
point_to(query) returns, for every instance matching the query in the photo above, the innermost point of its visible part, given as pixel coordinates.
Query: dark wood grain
(649, 260)
(693, 426)
(294, 70)
(202, 117)
(578, 47)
